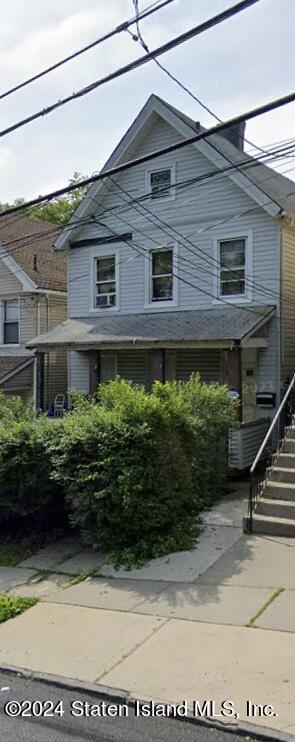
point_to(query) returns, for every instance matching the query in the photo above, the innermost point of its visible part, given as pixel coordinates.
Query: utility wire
(179, 185)
(139, 38)
(172, 44)
(247, 116)
(119, 29)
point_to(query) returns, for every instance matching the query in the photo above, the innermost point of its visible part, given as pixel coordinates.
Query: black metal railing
(269, 450)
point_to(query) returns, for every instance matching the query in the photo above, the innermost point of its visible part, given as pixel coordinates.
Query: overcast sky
(242, 63)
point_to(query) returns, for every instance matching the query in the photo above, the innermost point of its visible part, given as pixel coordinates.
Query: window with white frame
(160, 182)
(232, 267)
(162, 274)
(105, 282)
(10, 324)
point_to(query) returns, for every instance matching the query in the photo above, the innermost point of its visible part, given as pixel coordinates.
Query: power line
(247, 116)
(172, 44)
(119, 29)
(139, 38)
(179, 185)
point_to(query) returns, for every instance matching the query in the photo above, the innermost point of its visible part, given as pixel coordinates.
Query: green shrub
(11, 607)
(138, 468)
(28, 497)
(13, 408)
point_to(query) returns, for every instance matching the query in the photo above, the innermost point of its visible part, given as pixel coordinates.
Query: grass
(11, 607)
(14, 549)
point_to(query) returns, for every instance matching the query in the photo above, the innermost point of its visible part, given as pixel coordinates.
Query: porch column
(93, 356)
(157, 365)
(234, 374)
(39, 383)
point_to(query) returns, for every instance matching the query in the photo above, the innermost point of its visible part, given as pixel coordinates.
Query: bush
(29, 499)
(14, 408)
(138, 468)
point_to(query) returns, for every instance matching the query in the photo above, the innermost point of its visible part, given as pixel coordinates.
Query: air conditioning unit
(106, 300)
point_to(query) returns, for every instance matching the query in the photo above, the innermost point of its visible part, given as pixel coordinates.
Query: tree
(59, 210)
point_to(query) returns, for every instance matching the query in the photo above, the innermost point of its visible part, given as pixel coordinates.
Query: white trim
(2, 301)
(172, 191)
(51, 292)
(102, 251)
(158, 305)
(233, 298)
(16, 370)
(153, 107)
(20, 275)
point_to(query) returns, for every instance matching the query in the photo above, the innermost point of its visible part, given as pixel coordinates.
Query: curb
(118, 695)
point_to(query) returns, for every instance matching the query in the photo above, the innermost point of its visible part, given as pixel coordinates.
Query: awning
(219, 327)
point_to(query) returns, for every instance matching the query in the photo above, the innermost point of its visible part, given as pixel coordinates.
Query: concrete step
(274, 526)
(279, 490)
(282, 474)
(289, 445)
(286, 460)
(276, 508)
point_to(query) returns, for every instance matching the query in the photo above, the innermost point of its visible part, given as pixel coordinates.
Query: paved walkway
(216, 623)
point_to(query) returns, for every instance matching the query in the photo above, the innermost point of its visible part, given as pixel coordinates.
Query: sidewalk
(216, 623)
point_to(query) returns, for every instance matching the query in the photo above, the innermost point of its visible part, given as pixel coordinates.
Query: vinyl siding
(53, 311)
(195, 213)
(196, 207)
(288, 302)
(8, 282)
(78, 371)
(21, 383)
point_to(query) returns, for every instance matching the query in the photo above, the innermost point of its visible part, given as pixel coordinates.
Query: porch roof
(217, 325)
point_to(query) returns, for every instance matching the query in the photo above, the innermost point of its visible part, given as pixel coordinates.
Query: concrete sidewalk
(228, 632)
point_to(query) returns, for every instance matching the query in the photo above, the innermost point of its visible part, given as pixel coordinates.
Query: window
(162, 275)
(10, 322)
(105, 282)
(160, 183)
(232, 259)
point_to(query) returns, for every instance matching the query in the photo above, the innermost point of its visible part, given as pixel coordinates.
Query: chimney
(235, 135)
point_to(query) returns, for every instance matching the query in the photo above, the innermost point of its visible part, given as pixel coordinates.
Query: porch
(227, 346)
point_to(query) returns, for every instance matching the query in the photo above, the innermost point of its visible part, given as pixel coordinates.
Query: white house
(185, 264)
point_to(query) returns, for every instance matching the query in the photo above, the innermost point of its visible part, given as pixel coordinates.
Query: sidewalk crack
(134, 649)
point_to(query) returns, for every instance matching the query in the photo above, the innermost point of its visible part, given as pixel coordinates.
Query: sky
(242, 63)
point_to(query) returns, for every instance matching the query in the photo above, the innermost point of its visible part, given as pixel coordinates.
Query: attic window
(35, 263)
(160, 183)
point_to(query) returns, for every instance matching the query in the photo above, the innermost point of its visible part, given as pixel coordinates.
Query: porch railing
(269, 450)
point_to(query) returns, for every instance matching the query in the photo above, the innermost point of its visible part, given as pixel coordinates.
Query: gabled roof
(146, 330)
(51, 267)
(266, 187)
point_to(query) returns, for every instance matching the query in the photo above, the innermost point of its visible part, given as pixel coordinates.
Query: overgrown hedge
(29, 498)
(136, 469)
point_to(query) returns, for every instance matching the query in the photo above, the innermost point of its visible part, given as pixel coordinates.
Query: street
(62, 725)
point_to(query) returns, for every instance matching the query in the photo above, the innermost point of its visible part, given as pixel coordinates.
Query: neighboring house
(190, 276)
(33, 299)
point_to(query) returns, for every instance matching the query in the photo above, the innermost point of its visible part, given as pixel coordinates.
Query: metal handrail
(269, 432)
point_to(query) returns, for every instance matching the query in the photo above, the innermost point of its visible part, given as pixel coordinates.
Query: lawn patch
(11, 607)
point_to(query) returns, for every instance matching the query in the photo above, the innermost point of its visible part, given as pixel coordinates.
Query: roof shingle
(22, 239)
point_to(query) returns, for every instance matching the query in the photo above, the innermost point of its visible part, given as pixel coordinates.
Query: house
(185, 264)
(33, 299)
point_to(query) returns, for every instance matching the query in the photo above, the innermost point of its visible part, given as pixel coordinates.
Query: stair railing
(269, 450)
